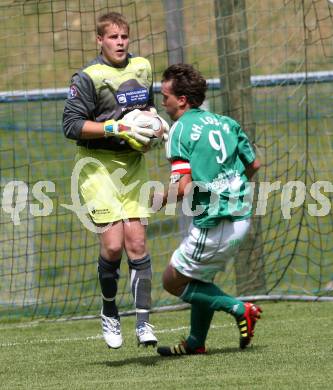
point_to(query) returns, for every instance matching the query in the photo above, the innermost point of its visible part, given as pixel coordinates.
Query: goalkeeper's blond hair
(111, 18)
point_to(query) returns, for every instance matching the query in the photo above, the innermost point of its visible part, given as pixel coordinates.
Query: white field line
(97, 337)
(49, 341)
(161, 331)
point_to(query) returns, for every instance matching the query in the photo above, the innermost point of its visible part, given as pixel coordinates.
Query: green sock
(214, 298)
(201, 317)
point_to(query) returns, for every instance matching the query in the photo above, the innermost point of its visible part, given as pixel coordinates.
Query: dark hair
(186, 81)
(110, 18)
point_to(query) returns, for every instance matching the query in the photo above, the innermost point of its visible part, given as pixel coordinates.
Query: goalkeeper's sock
(213, 297)
(108, 273)
(201, 318)
(140, 274)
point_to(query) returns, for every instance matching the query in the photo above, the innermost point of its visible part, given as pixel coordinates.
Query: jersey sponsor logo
(229, 181)
(139, 106)
(121, 98)
(99, 211)
(73, 92)
(133, 97)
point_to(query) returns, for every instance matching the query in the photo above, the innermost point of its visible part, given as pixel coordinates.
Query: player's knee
(173, 282)
(136, 248)
(168, 283)
(167, 286)
(171, 288)
(112, 251)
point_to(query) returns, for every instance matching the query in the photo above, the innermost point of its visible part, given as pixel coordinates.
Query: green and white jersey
(215, 150)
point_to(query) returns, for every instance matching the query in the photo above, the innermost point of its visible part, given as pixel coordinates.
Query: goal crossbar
(272, 80)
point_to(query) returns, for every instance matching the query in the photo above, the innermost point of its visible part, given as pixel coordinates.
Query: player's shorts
(110, 185)
(206, 251)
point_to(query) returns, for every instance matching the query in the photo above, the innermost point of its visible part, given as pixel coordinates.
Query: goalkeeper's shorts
(206, 251)
(112, 185)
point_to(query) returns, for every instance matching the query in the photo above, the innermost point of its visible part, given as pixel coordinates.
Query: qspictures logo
(291, 195)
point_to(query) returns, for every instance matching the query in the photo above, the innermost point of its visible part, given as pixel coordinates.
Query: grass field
(292, 349)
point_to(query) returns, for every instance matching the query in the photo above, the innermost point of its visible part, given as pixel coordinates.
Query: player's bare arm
(175, 191)
(92, 130)
(252, 168)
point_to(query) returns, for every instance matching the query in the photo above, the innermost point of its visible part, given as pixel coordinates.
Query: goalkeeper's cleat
(111, 331)
(247, 322)
(145, 334)
(180, 350)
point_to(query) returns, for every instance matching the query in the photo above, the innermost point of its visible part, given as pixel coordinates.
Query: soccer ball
(150, 120)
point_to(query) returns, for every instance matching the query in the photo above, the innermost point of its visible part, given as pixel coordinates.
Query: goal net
(268, 63)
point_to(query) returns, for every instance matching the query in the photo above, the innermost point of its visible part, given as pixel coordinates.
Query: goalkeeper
(100, 113)
(211, 159)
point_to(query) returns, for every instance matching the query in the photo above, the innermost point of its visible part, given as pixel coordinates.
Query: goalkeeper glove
(146, 119)
(149, 119)
(137, 137)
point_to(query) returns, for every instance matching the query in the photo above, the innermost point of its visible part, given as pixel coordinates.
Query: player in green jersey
(212, 161)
